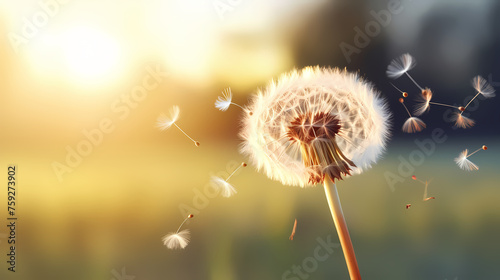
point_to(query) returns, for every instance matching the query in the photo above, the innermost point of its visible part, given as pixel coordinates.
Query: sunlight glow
(89, 54)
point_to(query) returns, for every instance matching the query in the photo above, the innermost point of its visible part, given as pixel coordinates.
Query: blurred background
(83, 83)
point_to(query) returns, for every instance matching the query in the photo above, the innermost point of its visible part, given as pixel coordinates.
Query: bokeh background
(68, 66)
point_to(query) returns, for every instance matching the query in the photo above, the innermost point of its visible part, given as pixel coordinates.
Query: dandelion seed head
(465, 163)
(165, 122)
(177, 240)
(227, 190)
(413, 124)
(313, 123)
(462, 121)
(400, 65)
(483, 87)
(423, 104)
(223, 102)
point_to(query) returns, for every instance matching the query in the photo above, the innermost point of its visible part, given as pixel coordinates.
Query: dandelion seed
(163, 122)
(314, 126)
(412, 124)
(404, 93)
(400, 66)
(293, 230)
(462, 121)
(426, 184)
(482, 87)
(223, 102)
(178, 239)
(424, 102)
(416, 179)
(227, 190)
(408, 206)
(464, 163)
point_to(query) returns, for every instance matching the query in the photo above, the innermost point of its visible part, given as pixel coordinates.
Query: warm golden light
(89, 54)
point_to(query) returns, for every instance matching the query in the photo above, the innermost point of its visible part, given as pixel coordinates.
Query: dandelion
(163, 122)
(227, 189)
(412, 124)
(179, 239)
(464, 163)
(223, 102)
(426, 183)
(482, 87)
(313, 126)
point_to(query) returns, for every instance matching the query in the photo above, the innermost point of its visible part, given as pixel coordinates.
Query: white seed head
(223, 102)
(413, 124)
(227, 190)
(465, 163)
(483, 87)
(400, 65)
(315, 122)
(165, 122)
(462, 121)
(423, 103)
(176, 240)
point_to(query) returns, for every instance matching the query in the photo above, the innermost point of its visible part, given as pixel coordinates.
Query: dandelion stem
(195, 142)
(234, 172)
(474, 152)
(441, 104)
(407, 110)
(425, 190)
(238, 106)
(413, 81)
(422, 181)
(338, 219)
(182, 224)
(470, 102)
(396, 87)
